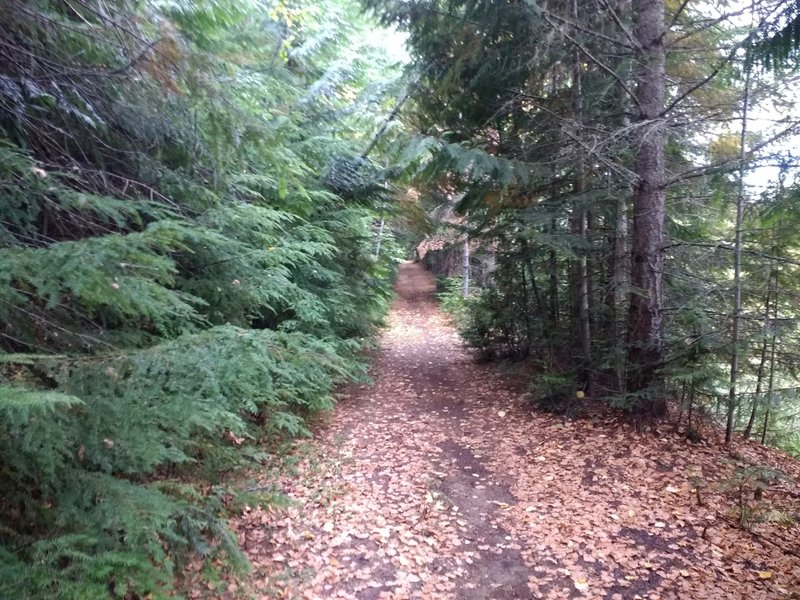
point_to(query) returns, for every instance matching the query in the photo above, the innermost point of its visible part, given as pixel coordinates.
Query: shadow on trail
(442, 375)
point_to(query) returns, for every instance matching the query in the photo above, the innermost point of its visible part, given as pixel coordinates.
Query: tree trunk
(619, 286)
(771, 386)
(762, 361)
(380, 238)
(465, 268)
(737, 264)
(552, 267)
(586, 327)
(645, 318)
(580, 213)
(620, 257)
(525, 265)
(552, 261)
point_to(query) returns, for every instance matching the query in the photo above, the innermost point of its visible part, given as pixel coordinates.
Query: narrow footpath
(439, 481)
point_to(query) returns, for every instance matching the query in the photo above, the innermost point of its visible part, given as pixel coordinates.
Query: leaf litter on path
(438, 481)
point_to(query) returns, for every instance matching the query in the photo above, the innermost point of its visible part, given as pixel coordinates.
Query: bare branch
(579, 27)
(615, 17)
(677, 15)
(720, 165)
(708, 25)
(729, 247)
(602, 66)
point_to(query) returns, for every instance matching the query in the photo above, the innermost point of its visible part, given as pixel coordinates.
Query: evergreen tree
(184, 273)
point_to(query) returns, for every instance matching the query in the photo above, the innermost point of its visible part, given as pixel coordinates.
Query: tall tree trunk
(552, 261)
(380, 238)
(583, 274)
(580, 215)
(771, 385)
(646, 319)
(737, 263)
(465, 268)
(619, 256)
(762, 361)
(525, 265)
(552, 268)
(619, 286)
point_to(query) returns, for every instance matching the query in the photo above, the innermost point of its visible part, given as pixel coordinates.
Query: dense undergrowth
(182, 275)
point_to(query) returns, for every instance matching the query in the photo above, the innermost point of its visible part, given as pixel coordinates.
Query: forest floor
(439, 481)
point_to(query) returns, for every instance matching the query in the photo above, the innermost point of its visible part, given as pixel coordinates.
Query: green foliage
(778, 47)
(451, 298)
(427, 158)
(489, 328)
(556, 393)
(178, 284)
(747, 485)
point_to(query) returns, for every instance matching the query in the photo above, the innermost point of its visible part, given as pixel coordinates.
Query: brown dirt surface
(439, 481)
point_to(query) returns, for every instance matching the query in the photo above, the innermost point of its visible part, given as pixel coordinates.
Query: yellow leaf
(765, 574)
(581, 585)
(328, 527)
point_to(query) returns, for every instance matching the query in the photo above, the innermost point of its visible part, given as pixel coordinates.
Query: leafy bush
(451, 297)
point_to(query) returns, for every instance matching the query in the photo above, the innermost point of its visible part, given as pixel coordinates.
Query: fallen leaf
(581, 585)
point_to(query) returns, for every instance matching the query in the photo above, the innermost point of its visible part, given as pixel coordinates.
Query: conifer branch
(605, 68)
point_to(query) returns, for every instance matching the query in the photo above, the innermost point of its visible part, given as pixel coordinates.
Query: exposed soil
(438, 481)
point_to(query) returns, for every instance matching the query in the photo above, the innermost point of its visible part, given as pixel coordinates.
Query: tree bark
(580, 214)
(619, 286)
(737, 264)
(380, 238)
(620, 257)
(771, 385)
(552, 267)
(762, 362)
(465, 269)
(645, 318)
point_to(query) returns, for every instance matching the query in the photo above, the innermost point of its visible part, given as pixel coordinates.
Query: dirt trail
(438, 481)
